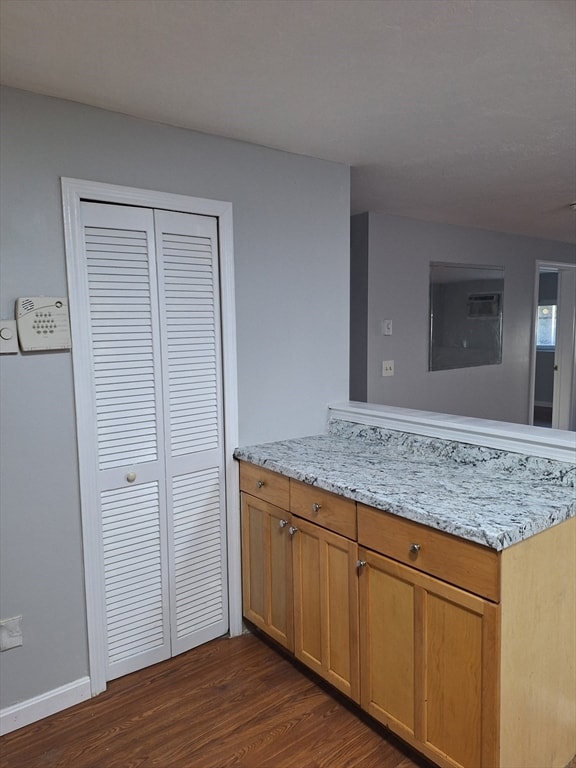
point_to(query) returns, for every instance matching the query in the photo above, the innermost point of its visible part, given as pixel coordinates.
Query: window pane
(546, 326)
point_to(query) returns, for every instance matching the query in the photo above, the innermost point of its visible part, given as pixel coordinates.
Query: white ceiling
(462, 111)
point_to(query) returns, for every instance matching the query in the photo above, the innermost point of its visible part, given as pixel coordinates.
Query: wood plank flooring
(233, 702)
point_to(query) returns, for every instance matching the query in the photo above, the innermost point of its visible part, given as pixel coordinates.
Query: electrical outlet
(387, 367)
(10, 633)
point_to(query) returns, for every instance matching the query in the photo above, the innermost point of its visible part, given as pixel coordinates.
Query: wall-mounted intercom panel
(42, 323)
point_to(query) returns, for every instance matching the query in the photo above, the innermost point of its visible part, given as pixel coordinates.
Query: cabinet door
(458, 644)
(429, 662)
(387, 638)
(326, 605)
(267, 569)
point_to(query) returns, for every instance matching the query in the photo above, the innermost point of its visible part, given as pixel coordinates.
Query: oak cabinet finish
(323, 508)
(427, 651)
(264, 484)
(468, 565)
(326, 605)
(299, 581)
(267, 594)
(464, 652)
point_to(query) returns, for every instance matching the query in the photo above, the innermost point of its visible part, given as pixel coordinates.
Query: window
(546, 326)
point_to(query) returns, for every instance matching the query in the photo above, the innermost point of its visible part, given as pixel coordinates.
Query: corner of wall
(359, 251)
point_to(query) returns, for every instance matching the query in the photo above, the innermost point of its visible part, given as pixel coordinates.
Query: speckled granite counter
(492, 497)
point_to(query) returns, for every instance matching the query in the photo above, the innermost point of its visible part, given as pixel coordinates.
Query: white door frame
(73, 192)
(564, 400)
(565, 354)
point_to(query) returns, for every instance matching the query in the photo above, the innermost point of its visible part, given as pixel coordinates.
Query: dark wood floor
(233, 702)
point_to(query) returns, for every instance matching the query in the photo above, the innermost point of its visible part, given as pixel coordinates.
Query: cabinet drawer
(264, 484)
(467, 565)
(324, 508)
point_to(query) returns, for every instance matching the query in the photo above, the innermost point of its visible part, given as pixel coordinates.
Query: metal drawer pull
(414, 549)
(259, 483)
(130, 477)
(361, 563)
(283, 523)
(316, 507)
(292, 530)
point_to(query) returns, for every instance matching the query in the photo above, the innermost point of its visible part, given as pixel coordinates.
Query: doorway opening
(554, 352)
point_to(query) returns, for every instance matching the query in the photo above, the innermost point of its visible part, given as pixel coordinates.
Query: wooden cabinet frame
(326, 605)
(267, 593)
(497, 654)
(422, 671)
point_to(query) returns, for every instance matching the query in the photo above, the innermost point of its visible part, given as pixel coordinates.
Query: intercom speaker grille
(27, 305)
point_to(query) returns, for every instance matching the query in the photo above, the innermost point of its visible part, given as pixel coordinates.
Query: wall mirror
(465, 315)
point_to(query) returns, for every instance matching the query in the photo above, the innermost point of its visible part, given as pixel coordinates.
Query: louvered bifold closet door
(187, 252)
(119, 245)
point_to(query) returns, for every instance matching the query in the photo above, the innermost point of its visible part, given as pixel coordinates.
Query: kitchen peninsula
(433, 581)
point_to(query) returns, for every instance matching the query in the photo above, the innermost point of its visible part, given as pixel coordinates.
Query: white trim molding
(27, 712)
(73, 192)
(518, 438)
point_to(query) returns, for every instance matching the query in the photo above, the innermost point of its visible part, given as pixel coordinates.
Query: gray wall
(359, 307)
(399, 252)
(291, 235)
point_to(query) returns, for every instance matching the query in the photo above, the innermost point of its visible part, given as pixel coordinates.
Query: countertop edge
(498, 542)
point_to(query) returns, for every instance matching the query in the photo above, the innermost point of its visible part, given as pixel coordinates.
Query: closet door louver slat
(121, 281)
(120, 373)
(153, 303)
(190, 316)
(134, 606)
(191, 341)
(197, 552)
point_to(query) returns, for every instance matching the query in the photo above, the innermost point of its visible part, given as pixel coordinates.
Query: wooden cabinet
(429, 648)
(323, 508)
(299, 580)
(468, 565)
(464, 652)
(428, 662)
(267, 593)
(264, 484)
(468, 681)
(326, 605)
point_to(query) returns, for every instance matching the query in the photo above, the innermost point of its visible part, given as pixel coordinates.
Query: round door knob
(260, 484)
(131, 476)
(316, 507)
(361, 563)
(414, 549)
(283, 523)
(292, 530)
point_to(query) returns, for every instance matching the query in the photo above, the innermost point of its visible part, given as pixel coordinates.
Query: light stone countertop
(488, 496)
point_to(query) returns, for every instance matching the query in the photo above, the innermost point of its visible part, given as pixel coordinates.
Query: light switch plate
(386, 327)
(8, 337)
(387, 367)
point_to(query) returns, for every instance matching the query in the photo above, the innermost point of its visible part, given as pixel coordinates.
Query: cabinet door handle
(259, 483)
(283, 523)
(361, 563)
(414, 549)
(292, 530)
(316, 507)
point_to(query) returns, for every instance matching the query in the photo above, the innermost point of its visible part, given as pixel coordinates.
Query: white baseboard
(26, 712)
